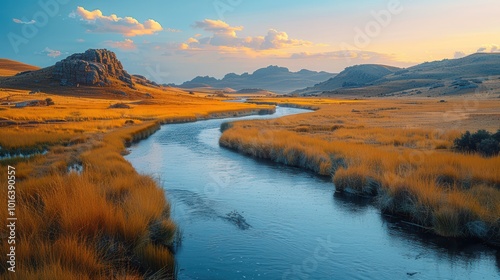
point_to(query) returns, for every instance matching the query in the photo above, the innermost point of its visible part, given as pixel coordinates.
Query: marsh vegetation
(399, 152)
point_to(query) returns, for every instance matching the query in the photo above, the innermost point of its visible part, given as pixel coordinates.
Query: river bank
(408, 172)
(248, 219)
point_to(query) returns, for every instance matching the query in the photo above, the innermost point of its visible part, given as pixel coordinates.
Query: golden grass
(403, 159)
(107, 222)
(10, 67)
(36, 139)
(91, 224)
(164, 105)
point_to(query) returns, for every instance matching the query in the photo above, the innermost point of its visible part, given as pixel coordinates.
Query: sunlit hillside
(10, 67)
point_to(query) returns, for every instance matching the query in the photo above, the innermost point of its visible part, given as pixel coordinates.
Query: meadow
(82, 210)
(397, 151)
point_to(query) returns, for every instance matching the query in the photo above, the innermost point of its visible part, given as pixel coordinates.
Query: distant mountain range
(445, 77)
(100, 71)
(273, 78)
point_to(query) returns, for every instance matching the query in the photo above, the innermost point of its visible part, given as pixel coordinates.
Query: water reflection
(400, 233)
(353, 204)
(254, 219)
(451, 250)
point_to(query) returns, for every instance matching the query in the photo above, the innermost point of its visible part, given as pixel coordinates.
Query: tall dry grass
(410, 171)
(107, 222)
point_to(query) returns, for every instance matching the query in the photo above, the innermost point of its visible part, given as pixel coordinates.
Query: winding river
(243, 218)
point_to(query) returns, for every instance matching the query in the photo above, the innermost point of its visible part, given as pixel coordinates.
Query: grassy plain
(398, 151)
(82, 211)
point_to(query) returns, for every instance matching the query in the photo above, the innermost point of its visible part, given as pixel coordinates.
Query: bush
(488, 147)
(479, 136)
(482, 142)
(496, 136)
(119, 106)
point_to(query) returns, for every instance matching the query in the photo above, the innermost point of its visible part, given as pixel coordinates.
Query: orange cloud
(225, 39)
(218, 27)
(278, 40)
(126, 45)
(96, 22)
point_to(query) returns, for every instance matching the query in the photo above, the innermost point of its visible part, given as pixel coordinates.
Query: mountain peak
(271, 69)
(93, 67)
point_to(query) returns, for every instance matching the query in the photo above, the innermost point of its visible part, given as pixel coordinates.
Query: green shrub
(482, 142)
(488, 147)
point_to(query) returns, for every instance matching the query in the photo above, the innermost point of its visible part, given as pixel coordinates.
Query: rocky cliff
(94, 67)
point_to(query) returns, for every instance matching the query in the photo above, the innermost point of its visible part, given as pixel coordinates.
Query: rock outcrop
(93, 68)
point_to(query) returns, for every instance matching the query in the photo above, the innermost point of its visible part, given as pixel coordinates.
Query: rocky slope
(96, 72)
(93, 67)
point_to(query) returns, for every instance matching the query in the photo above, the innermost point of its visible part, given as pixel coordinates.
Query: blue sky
(173, 41)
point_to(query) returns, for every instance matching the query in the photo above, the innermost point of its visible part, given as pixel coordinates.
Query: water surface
(243, 218)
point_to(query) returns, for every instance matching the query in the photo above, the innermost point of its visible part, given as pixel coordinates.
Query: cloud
(125, 45)
(459, 54)
(192, 41)
(51, 53)
(277, 40)
(489, 49)
(224, 37)
(343, 54)
(218, 27)
(96, 22)
(80, 40)
(23, 22)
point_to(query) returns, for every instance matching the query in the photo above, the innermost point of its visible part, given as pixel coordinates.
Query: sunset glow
(217, 37)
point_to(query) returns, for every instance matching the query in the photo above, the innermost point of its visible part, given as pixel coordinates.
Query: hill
(356, 76)
(96, 73)
(445, 77)
(272, 78)
(10, 67)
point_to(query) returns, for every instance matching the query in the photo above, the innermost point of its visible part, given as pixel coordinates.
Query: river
(243, 218)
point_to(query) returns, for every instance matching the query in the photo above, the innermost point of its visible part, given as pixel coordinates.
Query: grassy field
(397, 151)
(82, 211)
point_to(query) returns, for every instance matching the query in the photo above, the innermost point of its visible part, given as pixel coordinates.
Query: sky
(174, 41)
